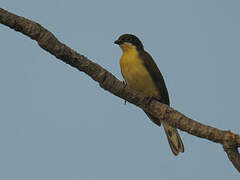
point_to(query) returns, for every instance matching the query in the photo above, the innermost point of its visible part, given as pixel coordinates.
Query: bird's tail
(174, 138)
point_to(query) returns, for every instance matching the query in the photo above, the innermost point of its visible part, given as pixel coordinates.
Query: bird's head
(129, 41)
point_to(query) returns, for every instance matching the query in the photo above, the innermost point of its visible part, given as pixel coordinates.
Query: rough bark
(106, 80)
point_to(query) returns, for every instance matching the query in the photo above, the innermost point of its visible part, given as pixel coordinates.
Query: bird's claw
(124, 85)
(150, 98)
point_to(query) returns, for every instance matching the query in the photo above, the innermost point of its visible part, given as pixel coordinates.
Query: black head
(129, 38)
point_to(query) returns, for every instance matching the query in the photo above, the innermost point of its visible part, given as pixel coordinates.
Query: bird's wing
(156, 76)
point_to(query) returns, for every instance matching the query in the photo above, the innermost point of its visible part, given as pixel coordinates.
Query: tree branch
(106, 80)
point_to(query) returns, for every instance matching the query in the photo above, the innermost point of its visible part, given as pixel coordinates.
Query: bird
(141, 73)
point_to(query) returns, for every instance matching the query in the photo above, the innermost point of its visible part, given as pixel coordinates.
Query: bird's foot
(124, 85)
(150, 98)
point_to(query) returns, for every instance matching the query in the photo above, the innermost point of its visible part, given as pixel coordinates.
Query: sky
(56, 123)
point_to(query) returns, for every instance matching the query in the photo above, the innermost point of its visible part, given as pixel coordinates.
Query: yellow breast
(135, 73)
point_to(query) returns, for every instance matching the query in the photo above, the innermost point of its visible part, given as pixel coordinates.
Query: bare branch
(106, 80)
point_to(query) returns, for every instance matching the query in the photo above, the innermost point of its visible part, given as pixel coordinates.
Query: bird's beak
(119, 42)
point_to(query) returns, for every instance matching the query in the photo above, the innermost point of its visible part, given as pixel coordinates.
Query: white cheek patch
(127, 46)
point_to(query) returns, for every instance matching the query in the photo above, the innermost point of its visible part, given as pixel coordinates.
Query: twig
(106, 80)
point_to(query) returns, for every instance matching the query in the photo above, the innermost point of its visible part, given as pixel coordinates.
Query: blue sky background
(58, 124)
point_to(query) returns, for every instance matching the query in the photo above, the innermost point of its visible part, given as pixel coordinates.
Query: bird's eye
(128, 39)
